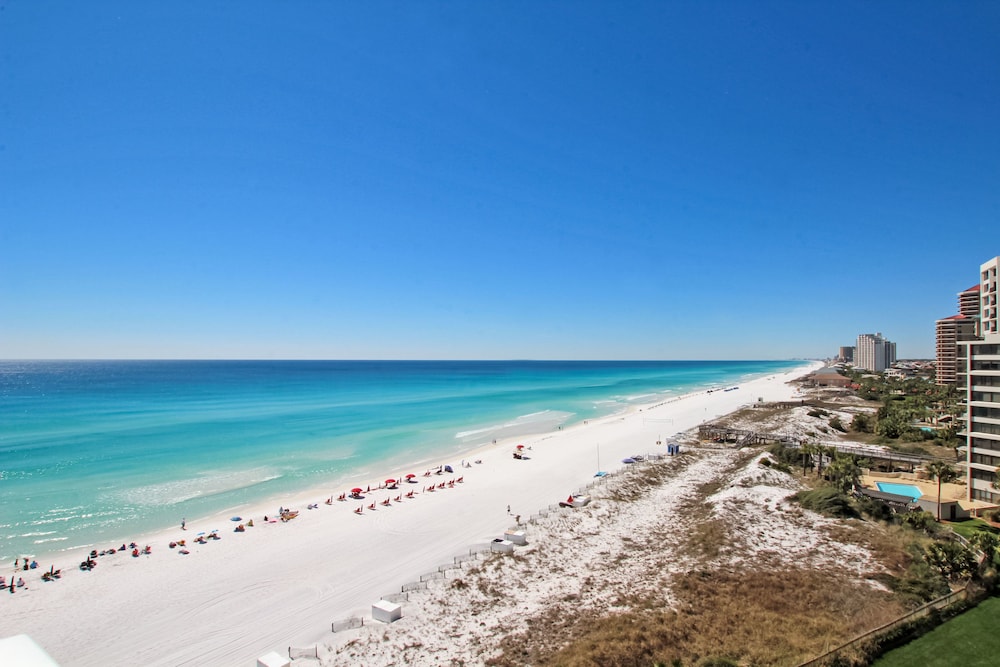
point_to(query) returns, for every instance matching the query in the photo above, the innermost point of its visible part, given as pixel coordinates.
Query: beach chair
(372, 506)
(359, 509)
(386, 502)
(460, 480)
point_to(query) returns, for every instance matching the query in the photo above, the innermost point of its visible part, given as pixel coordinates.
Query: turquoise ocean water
(94, 451)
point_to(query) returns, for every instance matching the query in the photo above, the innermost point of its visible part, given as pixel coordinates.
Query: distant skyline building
(874, 353)
(981, 384)
(846, 353)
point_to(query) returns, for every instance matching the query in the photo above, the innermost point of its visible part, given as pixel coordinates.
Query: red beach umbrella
(390, 482)
(410, 476)
(520, 446)
(356, 490)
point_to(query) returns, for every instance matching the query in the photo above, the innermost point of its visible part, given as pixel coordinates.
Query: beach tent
(22, 651)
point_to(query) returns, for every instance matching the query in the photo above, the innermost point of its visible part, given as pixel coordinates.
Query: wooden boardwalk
(744, 438)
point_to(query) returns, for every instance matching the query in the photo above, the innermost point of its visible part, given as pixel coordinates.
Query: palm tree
(807, 450)
(845, 471)
(942, 472)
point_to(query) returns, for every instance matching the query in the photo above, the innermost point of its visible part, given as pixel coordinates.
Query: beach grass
(750, 617)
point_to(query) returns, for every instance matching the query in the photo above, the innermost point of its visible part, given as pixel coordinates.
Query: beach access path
(282, 584)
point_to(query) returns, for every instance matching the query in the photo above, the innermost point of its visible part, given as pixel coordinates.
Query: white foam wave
(209, 483)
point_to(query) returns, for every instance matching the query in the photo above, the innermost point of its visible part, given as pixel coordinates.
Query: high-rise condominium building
(949, 331)
(982, 390)
(846, 353)
(874, 353)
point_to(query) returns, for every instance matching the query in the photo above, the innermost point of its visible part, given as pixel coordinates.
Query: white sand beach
(282, 584)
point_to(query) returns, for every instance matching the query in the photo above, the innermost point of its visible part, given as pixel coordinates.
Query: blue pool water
(899, 489)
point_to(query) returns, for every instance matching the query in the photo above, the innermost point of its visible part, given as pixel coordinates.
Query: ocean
(92, 452)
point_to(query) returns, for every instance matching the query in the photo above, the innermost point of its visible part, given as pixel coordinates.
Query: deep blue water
(92, 451)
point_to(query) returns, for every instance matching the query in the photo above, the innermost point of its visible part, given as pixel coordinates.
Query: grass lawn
(968, 640)
(969, 527)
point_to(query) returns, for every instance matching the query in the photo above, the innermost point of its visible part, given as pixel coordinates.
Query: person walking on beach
(508, 510)
(184, 524)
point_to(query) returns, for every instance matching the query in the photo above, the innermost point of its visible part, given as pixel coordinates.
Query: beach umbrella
(410, 476)
(356, 490)
(520, 446)
(390, 482)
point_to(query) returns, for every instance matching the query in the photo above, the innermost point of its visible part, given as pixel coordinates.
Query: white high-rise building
(874, 353)
(982, 391)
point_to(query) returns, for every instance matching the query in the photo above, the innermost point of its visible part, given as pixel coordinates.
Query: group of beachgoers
(283, 515)
(17, 581)
(52, 574)
(393, 484)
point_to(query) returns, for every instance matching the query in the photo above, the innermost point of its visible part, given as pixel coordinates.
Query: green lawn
(968, 640)
(969, 527)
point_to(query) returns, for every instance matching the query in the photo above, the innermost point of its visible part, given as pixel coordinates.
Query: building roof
(893, 498)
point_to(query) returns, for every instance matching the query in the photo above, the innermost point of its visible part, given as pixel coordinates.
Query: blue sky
(492, 180)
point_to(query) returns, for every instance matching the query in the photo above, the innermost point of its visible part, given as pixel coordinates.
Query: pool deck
(949, 490)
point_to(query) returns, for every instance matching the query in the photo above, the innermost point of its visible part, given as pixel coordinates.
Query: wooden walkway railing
(743, 437)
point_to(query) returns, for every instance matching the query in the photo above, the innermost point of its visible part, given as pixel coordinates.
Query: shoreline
(365, 475)
(328, 562)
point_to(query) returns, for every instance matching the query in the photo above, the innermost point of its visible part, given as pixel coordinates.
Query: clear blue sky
(492, 179)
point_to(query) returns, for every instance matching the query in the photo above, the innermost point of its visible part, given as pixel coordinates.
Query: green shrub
(836, 424)
(717, 662)
(875, 509)
(817, 413)
(826, 500)
(861, 423)
(951, 559)
(919, 520)
(920, 583)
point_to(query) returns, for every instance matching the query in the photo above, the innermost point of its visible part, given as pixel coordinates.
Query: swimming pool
(900, 489)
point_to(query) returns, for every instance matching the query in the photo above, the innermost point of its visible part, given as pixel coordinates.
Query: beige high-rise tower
(982, 390)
